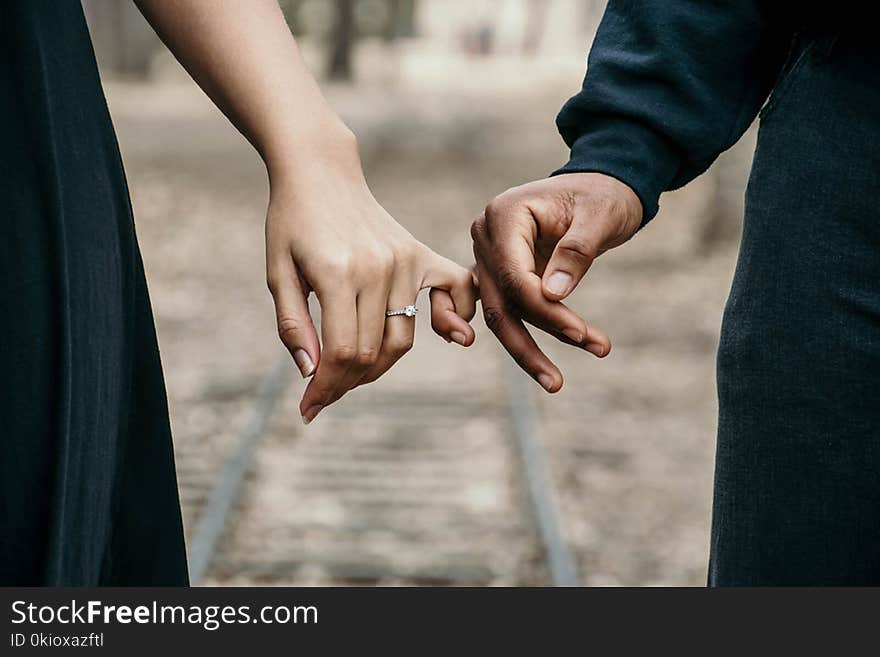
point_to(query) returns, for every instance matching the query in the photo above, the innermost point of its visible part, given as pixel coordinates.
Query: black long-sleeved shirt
(670, 85)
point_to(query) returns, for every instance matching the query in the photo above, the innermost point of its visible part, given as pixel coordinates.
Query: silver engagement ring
(409, 311)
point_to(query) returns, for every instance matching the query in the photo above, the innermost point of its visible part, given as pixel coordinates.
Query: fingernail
(546, 381)
(311, 413)
(459, 337)
(597, 349)
(559, 282)
(574, 335)
(303, 362)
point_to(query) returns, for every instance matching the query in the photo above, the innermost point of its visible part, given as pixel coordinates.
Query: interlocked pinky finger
(446, 322)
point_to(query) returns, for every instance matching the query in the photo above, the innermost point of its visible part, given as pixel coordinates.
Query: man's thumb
(571, 259)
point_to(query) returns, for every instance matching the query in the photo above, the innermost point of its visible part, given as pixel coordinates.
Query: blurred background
(454, 468)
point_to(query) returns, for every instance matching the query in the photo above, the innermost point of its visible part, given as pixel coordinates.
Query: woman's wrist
(328, 144)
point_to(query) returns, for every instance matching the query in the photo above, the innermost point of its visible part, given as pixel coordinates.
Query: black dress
(88, 493)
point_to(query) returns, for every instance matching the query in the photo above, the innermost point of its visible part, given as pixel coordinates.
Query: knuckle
(272, 283)
(338, 266)
(577, 247)
(367, 356)
(463, 293)
(503, 202)
(401, 345)
(403, 259)
(323, 393)
(498, 207)
(377, 265)
(494, 317)
(510, 283)
(386, 263)
(344, 353)
(464, 279)
(288, 328)
(478, 227)
(442, 323)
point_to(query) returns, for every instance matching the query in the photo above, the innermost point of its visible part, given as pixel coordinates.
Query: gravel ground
(630, 438)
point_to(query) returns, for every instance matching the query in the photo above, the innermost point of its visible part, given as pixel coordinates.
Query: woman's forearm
(243, 56)
(325, 232)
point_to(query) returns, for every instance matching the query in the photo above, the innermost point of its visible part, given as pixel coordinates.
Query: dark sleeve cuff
(626, 150)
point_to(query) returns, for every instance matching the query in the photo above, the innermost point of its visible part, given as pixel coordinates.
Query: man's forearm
(669, 86)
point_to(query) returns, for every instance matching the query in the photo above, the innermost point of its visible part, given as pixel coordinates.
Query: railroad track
(426, 487)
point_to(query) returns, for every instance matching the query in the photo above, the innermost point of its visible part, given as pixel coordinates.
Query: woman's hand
(325, 233)
(324, 230)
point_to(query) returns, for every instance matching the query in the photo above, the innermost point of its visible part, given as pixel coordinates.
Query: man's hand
(532, 246)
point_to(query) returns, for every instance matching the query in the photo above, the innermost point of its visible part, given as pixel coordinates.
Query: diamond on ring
(409, 311)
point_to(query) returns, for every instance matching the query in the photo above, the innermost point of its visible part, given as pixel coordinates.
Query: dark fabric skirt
(88, 493)
(797, 482)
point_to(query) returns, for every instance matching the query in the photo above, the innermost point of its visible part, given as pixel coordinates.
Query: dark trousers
(797, 481)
